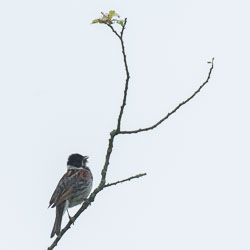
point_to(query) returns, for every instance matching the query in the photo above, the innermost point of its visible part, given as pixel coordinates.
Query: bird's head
(77, 161)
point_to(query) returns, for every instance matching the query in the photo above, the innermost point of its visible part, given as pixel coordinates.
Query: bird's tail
(58, 221)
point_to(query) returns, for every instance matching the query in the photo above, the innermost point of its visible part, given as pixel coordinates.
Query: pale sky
(62, 81)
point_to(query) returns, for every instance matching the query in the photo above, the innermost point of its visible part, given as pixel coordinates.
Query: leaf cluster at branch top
(109, 18)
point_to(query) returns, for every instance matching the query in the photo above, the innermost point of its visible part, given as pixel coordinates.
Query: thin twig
(112, 28)
(128, 179)
(175, 109)
(127, 73)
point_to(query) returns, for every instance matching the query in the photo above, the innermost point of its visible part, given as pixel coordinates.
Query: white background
(62, 81)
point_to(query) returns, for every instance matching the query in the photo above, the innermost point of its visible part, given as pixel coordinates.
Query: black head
(77, 160)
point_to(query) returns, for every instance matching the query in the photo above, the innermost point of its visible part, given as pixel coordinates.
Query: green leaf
(121, 22)
(96, 21)
(111, 14)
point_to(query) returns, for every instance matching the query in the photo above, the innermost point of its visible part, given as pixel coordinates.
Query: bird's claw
(70, 218)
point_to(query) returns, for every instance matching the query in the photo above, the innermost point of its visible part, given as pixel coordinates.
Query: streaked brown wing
(64, 196)
(64, 188)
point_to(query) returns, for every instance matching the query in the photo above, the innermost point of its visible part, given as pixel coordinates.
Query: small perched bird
(73, 188)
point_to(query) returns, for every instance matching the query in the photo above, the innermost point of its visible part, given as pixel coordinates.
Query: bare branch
(123, 27)
(175, 109)
(112, 28)
(128, 179)
(127, 73)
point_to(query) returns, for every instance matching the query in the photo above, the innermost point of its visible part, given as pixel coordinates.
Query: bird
(73, 188)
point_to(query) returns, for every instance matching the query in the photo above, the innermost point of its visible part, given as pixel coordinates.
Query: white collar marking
(72, 167)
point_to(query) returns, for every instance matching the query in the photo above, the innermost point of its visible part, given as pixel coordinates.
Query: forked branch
(175, 109)
(113, 134)
(109, 20)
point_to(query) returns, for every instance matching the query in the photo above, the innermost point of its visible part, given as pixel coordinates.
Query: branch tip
(128, 179)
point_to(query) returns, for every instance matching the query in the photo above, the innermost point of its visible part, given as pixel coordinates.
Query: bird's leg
(70, 218)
